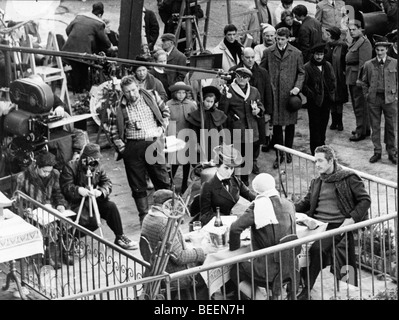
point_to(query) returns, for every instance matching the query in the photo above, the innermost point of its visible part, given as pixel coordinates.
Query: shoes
(276, 164)
(304, 295)
(125, 243)
(334, 126)
(255, 169)
(375, 157)
(67, 258)
(340, 127)
(368, 133)
(357, 137)
(393, 158)
(289, 158)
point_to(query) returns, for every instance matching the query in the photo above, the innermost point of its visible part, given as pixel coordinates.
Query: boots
(142, 207)
(334, 123)
(340, 125)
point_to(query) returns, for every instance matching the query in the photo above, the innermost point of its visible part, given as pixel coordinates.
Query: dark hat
(162, 195)
(335, 32)
(98, 8)
(91, 150)
(168, 36)
(228, 155)
(392, 36)
(244, 72)
(380, 41)
(318, 47)
(211, 89)
(294, 103)
(180, 85)
(45, 159)
(139, 58)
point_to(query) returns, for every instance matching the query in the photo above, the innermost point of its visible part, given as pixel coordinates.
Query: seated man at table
(181, 257)
(224, 189)
(271, 218)
(339, 198)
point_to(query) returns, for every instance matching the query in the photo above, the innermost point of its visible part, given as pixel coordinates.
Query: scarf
(235, 48)
(264, 211)
(237, 89)
(344, 193)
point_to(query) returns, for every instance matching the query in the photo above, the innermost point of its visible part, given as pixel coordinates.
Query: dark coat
(309, 34)
(319, 85)
(213, 194)
(265, 237)
(358, 53)
(336, 52)
(151, 28)
(177, 58)
(286, 73)
(237, 106)
(86, 34)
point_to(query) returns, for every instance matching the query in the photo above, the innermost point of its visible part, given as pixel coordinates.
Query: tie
(381, 62)
(226, 183)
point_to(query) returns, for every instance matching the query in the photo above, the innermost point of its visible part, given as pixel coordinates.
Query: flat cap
(168, 37)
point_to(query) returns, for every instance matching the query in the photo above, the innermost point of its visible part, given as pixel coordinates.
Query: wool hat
(180, 85)
(319, 47)
(228, 155)
(162, 195)
(244, 72)
(335, 32)
(294, 103)
(263, 182)
(91, 150)
(168, 37)
(267, 27)
(211, 89)
(381, 41)
(45, 159)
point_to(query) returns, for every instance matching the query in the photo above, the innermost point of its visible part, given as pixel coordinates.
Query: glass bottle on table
(218, 219)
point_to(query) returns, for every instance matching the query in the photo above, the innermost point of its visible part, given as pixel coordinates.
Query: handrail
(283, 246)
(17, 26)
(360, 173)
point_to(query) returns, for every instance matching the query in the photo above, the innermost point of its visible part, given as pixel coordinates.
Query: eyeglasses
(92, 163)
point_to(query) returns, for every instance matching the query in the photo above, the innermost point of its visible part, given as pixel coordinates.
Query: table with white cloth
(18, 239)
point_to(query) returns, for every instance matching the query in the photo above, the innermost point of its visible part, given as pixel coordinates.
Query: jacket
(151, 28)
(370, 77)
(227, 58)
(336, 52)
(152, 83)
(309, 34)
(86, 34)
(358, 53)
(213, 194)
(328, 15)
(177, 58)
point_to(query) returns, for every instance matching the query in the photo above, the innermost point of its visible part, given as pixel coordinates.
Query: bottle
(218, 219)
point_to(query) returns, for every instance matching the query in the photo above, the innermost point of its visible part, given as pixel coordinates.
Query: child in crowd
(213, 119)
(180, 106)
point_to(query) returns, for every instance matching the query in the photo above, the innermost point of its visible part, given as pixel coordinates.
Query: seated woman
(224, 189)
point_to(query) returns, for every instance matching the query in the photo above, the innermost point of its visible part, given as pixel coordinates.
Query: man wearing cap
(175, 57)
(380, 81)
(359, 51)
(86, 34)
(224, 189)
(336, 52)
(244, 110)
(270, 218)
(140, 120)
(74, 184)
(285, 65)
(260, 79)
(319, 89)
(154, 230)
(269, 38)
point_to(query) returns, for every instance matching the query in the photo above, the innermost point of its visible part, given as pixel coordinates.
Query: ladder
(52, 69)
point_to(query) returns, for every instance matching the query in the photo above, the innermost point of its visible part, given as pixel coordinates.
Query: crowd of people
(295, 61)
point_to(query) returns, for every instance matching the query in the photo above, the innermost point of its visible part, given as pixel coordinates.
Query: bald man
(260, 80)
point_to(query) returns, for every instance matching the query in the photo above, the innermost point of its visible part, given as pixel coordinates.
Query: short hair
(289, 2)
(356, 23)
(283, 32)
(300, 10)
(229, 27)
(98, 8)
(285, 14)
(328, 151)
(159, 53)
(127, 80)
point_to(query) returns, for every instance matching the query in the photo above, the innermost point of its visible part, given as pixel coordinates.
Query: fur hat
(91, 150)
(168, 37)
(180, 85)
(211, 89)
(45, 159)
(263, 182)
(228, 155)
(162, 195)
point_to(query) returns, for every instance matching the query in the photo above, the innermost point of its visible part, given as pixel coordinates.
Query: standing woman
(180, 107)
(158, 72)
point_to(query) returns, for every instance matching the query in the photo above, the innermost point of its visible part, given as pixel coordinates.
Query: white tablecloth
(18, 238)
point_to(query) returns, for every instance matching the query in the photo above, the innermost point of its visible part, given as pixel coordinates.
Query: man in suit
(174, 57)
(86, 34)
(380, 81)
(310, 31)
(151, 27)
(224, 189)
